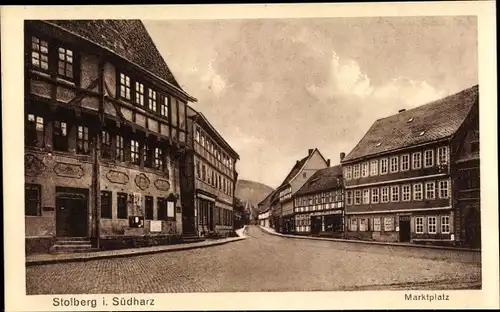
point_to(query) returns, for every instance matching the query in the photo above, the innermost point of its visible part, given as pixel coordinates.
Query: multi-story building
(399, 179)
(264, 207)
(282, 200)
(213, 176)
(105, 129)
(319, 204)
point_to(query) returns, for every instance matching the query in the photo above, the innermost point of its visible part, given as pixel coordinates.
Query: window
(119, 148)
(385, 194)
(106, 150)
(32, 200)
(82, 140)
(406, 192)
(202, 140)
(384, 166)
(365, 169)
(375, 195)
(164, 112)
(428, 158)
(417, 160)
(148, 208)
(147, 155)
(65, 63)
(348, 173)
(139, 93)
(356, 171)
(122, 211)
(197, 137)
(417, 191)
(376, 224)
(158, 158)
(430, 190)
(349, 198)
(304, 175)
(354, 225)
(394, 164)
(174, 108)
(442, 155)
(162, 208)
(198, 169)
(405, 162)
(35, 133)
(374, 167)
(134, 152)
(444, 189)
(106, 207)
(39, 53)
(152, 100)
(445, 224)
(395, 194)
(366, 196)
(60, 136)
(203, 172)
(182, 114)
(125, 86)
(357, 197)
(388, 226)
(363, 224)
(431, 225)
(419, 225)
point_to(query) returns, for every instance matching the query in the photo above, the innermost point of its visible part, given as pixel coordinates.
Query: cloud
(408, 92)
(213, 80)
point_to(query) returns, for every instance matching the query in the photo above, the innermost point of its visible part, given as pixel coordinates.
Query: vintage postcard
(241, 157)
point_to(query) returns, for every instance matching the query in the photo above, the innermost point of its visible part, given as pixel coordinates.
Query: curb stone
(134, 252)
(369, 242)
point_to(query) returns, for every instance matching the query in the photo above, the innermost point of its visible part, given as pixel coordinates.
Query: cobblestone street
(263, 262)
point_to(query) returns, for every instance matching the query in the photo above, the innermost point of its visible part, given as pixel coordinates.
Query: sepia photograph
(251, 155)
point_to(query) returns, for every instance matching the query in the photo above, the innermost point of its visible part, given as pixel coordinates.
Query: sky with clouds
(274, 88)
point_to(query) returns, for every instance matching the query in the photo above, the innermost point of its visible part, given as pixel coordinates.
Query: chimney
(328, 162)
(401, 110)
(342, 156)
(310, 151)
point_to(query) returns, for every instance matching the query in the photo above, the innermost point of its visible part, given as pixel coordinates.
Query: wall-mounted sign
(170, 209)
(68, 170)
(155, 226)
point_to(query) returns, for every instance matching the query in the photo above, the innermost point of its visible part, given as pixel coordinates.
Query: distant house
(282, 204)
(319, 203)
(403, 179)
(264, 208)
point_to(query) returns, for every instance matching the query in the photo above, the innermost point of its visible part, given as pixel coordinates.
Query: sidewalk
(85, 256)
(340, 240)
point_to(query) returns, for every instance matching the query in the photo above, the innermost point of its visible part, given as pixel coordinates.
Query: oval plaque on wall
(142, 181)
(117, 177)
(162, 185)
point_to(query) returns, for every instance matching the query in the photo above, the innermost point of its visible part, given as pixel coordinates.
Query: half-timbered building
(319, 204)
(402, 179)
(105, 129)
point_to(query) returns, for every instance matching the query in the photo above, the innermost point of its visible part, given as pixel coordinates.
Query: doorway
(473, 228)
(71, 212)
(405, 229)
(315, 224)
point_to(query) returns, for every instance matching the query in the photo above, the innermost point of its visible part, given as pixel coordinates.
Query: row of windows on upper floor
(331, 205)
(210, 176)
(206, 142)
(386, 194)
(321, 198)
(386, 224)
(129, 89)
(121, 146)
(398, 163)
(285, 194)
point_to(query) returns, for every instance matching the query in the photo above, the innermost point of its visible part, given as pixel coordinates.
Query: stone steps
(72, 244)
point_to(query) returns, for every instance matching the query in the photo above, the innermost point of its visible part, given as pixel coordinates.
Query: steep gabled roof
(322, 180)
(295, 169)
(129, 39)
(427, 123)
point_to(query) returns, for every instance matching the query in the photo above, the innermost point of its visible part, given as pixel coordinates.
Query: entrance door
(71, 215)
(188, 220)
(315, 224)
(473, 228)
(404, 229)
(210, 216)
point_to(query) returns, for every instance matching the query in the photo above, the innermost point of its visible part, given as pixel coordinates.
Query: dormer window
(378, 144)
(39, 53)
(410, 120)
(422, 133)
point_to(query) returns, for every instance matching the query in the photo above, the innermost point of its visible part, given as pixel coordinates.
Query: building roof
(295, 169)
(128, 39)
(201, 120)
(267, 199)
(427, 123)
(322, 180)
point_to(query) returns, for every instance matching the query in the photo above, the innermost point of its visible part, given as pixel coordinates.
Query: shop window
(388, 224)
